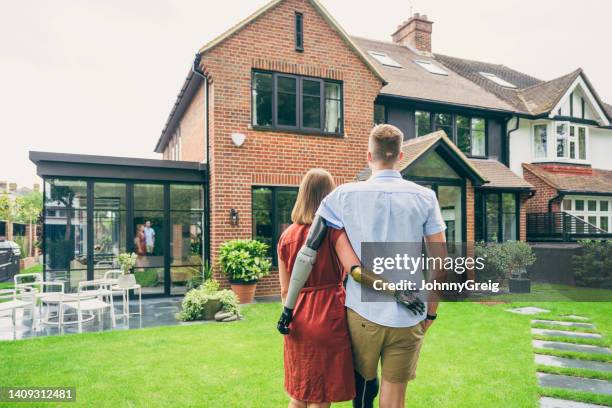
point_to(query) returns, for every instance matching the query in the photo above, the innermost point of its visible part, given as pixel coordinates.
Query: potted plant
(520, 256)
(244, 262)
(126, 263)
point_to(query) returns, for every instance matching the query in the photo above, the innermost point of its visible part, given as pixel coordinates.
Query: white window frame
(552, 138)
(546, 156)
(585, 213)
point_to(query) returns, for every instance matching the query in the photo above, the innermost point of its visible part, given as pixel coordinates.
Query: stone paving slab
(571, 363)
(529, 310)
(547, 402)
(564, 333)
(580, 348)
(575, 383)
(577, 317)
(566, 324)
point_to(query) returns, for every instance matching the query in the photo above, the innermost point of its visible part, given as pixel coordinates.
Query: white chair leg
(80, 318)
(112, 312)
(13, 319)
(140, 301)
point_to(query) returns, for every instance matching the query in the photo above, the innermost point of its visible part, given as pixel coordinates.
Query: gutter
(195, 68)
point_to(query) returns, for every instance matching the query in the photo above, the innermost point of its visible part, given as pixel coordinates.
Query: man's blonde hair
(386, 143)
(315, 185)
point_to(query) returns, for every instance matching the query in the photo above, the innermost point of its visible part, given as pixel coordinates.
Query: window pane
(151, 279)
(262, 99)
(463, 122)
(109, 196)
(431, 165)
(592, 220)
(65, 234)
(572, 149)
(299, 31)
(582, 143)
(186, 238)
(262, 216)
(185, 197)
(603, 206)
(69, 194)
(579, 205)
(509, 216)
(285, 201)
(311, 104)
(540, 149)
(603, 223)
(423, 123)
(561, 130)
(286, 101)
(109, 240)
(592, 205)
(509, 202)
(567, 205)
(333, 107)
(492, 217)
(478, 142)
(463, 140)
(444, 121)
(379, 114)
(148, 238)
(478, 216)
(148, 197)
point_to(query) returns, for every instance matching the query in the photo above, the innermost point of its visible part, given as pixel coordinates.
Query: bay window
(293, 102)
(569, 140)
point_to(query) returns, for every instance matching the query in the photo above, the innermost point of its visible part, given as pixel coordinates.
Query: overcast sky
(100, 77)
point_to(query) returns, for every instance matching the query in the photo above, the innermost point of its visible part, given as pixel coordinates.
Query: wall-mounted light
(234, 216)
(238, 139)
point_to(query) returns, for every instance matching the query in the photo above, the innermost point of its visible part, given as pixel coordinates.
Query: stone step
(571, 363)
(566, 324)
(575, 383)
(577, 317)
(564, 333)
(580, 348)
(547, 402)
(529, 310)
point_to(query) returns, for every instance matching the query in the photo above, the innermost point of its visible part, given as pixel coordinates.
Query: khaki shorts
(397, 348)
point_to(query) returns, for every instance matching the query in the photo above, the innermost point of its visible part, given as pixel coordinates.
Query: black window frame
(274, 216)
(481, 232)
(299, 105)
(299, 31)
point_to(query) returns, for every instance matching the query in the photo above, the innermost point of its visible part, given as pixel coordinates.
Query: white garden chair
(92, 296)
(123, 283)
(17, 298)
(40, 289)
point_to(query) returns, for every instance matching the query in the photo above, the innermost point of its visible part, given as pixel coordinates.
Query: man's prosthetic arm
(303, 266)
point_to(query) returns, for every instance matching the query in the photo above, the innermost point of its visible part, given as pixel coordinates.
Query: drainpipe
(565, 234)
(518, 120)
(195, 68)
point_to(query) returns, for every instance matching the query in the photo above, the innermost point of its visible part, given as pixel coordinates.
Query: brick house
(286, 90)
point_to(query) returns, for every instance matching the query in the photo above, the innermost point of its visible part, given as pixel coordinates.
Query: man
(149, 233)
(386, 208)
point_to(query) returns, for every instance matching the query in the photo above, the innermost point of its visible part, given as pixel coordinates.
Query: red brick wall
(193, 140)
(469, 211)
(544, 192)
(276, 158)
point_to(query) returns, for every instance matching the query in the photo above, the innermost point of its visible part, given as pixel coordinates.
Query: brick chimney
(12, 187)
(414, 33)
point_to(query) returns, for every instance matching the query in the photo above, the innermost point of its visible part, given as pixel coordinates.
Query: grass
(474, 355)
(576, 396)
(552, 326)
(606, 358)
(466, 359)
(575, 372)
(547, 292)
(591, 342)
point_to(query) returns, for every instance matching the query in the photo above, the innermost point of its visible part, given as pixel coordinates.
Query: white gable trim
(579, 81)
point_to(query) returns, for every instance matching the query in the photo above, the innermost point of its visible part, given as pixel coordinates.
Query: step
(575, 383)
(564, 333)
(547, 402)
(571, 363)
(529, 310)
(577, 317)
(566, 324)
(580, 348)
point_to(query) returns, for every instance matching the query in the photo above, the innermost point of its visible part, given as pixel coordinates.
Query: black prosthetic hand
(283, 323)
(409, 299)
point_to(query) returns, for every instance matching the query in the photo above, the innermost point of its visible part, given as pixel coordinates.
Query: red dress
(318, 359)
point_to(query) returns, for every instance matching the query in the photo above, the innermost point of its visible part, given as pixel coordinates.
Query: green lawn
(474, 356)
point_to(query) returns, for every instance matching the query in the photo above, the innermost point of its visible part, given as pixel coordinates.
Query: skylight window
(385, 59)
(431, 67)
(497, 80)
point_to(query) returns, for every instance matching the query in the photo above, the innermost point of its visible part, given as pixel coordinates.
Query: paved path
(565, 333)
(554, 361)
(547, 402)
(566, 324)
(575, 383)
(579, 348)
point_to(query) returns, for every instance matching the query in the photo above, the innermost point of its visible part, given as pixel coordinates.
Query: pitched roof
(542, 98)
(416, 147)
(412, 81)
(598, 181)
(322, 11)
(499, 176)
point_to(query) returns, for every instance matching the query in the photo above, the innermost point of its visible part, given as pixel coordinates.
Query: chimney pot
(415, 33)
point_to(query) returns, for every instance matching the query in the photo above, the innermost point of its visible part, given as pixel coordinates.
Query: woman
(318, 360)
(139, 245)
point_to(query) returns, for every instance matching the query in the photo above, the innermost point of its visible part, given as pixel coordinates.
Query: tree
(7, 208)
(27, 210)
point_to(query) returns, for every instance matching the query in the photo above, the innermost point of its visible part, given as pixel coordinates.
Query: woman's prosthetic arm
(303, 266)
(301, 270)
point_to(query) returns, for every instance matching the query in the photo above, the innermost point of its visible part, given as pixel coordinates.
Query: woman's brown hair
(315, 185)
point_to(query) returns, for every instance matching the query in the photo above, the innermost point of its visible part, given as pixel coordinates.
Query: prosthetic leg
(303, 266)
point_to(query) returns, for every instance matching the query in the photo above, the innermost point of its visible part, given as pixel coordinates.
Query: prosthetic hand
(406, 298)
(301, 270)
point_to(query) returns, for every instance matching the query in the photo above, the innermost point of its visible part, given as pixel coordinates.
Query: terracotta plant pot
(244, 290)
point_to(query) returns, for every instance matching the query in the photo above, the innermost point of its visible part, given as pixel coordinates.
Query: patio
(155, 312)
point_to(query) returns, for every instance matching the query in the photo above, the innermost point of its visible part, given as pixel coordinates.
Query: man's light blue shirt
(385, 208)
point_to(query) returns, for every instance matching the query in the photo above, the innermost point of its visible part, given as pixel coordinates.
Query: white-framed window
(560, 141)
(540, 140)
(595, 210)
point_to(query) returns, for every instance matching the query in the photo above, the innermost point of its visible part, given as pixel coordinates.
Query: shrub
(195, 301)
(593, 265)
(147, 278)
(127, 261)
(504, 259)
(244, 260)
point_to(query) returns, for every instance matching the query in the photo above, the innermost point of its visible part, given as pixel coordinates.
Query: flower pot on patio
(244, 290)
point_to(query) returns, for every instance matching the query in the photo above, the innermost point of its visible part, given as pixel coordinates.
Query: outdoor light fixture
(238, 139)
(234, 217)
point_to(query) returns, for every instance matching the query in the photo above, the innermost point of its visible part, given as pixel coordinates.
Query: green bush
(593, 266)
(504, 259)
(196, 300)
(244, 260)
(147, 278)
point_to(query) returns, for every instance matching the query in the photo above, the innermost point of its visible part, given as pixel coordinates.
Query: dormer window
(497, 80)
(299, 31)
